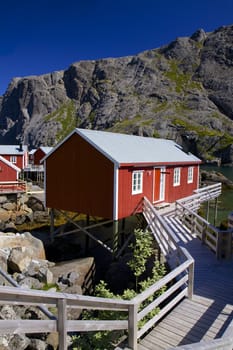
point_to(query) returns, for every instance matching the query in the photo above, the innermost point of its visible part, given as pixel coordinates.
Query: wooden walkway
(208, 314)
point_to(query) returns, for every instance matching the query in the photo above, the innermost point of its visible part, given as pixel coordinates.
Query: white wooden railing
(178, 284)
(219, 241)
(62, 302)
(209, 192)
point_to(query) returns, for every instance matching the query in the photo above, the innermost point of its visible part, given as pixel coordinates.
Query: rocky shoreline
(212, 176)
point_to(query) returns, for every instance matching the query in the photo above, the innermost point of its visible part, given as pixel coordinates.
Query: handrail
(209, 234)
(62, 301)
(13, 186)
(13, 283)
(179, 282)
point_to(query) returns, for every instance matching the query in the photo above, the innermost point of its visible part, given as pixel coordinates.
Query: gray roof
(46, 150)
(12, 149)
(122, 148)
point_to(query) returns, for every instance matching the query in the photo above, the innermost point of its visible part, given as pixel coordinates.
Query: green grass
(65, 115)
(183, 81)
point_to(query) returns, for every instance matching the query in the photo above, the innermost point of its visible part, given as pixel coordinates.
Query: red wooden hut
(106, 174)
(16, 154)
(8, 171)
(39, 154)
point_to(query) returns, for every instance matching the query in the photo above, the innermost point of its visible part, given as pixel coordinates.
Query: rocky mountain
(182, 91)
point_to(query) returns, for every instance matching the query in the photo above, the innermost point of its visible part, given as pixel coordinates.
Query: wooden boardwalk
(208, 314)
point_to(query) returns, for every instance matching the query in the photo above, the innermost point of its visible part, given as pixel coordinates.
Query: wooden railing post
(203, 235)
(191, 281)
(219, 246)
(133, 326)
(193, 224)
(62, 324)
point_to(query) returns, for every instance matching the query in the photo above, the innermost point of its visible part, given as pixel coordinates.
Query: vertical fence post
(191, 280)
(219, 244)
(62, 324)
(51, 225)
(133, 326)
(203, 235)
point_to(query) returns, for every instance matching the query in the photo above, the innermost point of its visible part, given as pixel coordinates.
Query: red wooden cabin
(16, 154)
(39, 154)
(8, 171)
(106, 174)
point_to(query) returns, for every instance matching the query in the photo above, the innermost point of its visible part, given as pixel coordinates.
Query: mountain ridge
(181, 91)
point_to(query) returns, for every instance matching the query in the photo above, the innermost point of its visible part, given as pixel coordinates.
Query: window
(13, 159)
(176, 177)
(137, 182)
(190, 174)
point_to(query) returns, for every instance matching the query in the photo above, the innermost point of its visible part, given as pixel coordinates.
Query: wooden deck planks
(211, 310)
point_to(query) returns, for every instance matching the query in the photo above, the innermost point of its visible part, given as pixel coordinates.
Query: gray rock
(24, 248)
(37, 344)
(75, 268)
(5, 215)
(7, 312)
(10, 226)
(29, 282)
(3, 199)
(9, 206)
(35, 204)
(41, 217)
(3, 259)
(19, 259)
(18, 342)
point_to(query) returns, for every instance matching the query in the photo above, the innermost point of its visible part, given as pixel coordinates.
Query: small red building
(106, 174)
(16, 154)
(8, 171)
(36, 155)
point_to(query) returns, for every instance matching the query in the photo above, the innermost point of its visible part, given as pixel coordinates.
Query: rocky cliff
(181, 91)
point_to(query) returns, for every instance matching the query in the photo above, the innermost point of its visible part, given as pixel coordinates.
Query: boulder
(53, 340)
(37, 344)
(3, 199)
(5, 215)
(3, 259)
(18, 342)
(28, 282)
(72, 272)
(9, 206)
(19, 259)
(23, 247)
(35, 204)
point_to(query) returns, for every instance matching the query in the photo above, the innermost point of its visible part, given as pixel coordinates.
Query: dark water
(225, 201)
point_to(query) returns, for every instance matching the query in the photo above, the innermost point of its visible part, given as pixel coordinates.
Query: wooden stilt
(122, 231)
(208, 211)
(51, 225)
(87, 238)
(115, 237)
(215, 211)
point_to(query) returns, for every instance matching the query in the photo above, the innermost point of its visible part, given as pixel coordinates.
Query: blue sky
(42, 36)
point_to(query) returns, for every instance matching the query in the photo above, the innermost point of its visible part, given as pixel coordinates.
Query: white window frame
(137, 181)
(176, 177)
(13, 159)
(190, 174)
